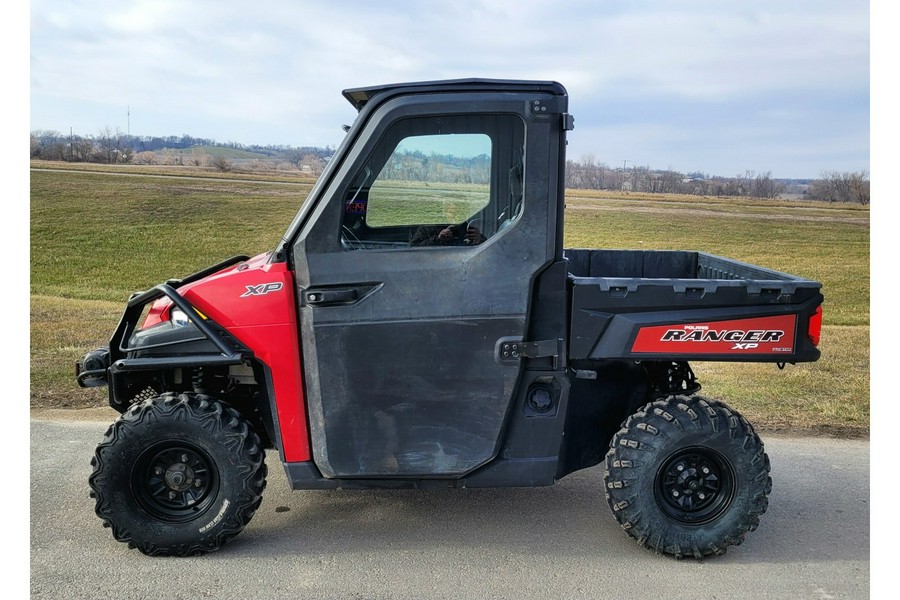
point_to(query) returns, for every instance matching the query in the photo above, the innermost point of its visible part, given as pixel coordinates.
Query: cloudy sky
(718, 87)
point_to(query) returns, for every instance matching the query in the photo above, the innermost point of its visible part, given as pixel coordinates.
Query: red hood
(223, 296)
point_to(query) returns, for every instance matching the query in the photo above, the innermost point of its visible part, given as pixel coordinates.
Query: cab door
(417, 263)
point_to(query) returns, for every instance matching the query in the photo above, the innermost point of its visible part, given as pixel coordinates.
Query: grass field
(270, 175)
(96, 237)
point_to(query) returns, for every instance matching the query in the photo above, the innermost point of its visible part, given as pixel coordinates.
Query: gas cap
(540, 399)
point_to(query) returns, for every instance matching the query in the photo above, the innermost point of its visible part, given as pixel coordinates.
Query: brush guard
(120, 367)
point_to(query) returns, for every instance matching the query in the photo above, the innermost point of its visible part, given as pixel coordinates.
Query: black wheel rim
(175, 482)
(695, 485)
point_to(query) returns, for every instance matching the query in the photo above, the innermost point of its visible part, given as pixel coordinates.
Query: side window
(437, 181)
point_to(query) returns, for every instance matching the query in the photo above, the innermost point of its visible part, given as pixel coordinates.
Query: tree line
(415, 165)
(111, 146)
(835, 186)
(832, 186)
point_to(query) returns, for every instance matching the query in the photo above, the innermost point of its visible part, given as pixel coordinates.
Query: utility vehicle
(421, 325)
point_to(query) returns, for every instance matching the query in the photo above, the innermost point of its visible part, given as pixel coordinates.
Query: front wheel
(687, 476)
(178, 475)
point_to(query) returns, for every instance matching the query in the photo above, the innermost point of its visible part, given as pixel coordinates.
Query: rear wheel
(687, 476)
(178, 475)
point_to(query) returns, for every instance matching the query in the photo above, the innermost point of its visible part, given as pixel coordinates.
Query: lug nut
(706, 470)
(701, 495)
(675, 493)
(680, 467)
(184, 458)
(197, 483)
(158, 470)
(172, 495)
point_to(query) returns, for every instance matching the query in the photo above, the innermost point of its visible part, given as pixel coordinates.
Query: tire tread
(211, 415)
(659, 419)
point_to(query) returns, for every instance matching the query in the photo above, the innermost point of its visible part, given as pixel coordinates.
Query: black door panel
(428, 408)
(402, 380)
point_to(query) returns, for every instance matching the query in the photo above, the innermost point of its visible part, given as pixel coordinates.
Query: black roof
(358, 97)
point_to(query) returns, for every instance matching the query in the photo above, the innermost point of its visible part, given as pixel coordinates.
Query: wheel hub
(175, 483)
(695, 485)
(179, 477)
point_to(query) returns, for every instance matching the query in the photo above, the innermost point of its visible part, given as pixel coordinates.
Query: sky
(709, 86)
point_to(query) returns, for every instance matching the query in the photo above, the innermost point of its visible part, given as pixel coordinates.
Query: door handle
(346, 295)
(322, 297)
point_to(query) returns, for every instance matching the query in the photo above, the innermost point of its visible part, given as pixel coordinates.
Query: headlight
(178, 318)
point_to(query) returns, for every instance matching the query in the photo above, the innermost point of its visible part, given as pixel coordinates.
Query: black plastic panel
(404, 398)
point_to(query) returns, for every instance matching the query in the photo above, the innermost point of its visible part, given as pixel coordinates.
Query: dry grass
(827, 396)
(62, 330)
(238, 174)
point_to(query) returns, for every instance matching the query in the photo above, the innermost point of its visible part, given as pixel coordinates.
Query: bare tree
(574, 176)
(46, 136)
(198, 158)
(741, 185)
(835, 186)
(82, 149)
(315, 164)
(668, 181)
(107, 145)
(640, 179)
(54, 151)
(170, 157)
(763, 186)
(861, 187)
(591, 172)
(47, 145)
(295, 156)
(306, 159)
(221, 163)
(145, 158)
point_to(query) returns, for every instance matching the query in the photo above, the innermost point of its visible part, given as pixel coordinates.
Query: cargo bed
(687, 306)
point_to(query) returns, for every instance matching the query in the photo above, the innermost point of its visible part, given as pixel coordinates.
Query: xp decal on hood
(262, 289)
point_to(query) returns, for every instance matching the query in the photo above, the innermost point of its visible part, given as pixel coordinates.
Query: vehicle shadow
(806, 515)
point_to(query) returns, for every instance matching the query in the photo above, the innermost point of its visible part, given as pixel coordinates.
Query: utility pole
(624, 173)
(129, 120)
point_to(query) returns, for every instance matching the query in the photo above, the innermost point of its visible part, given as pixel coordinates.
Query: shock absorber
(197, 380)
(669, 378)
